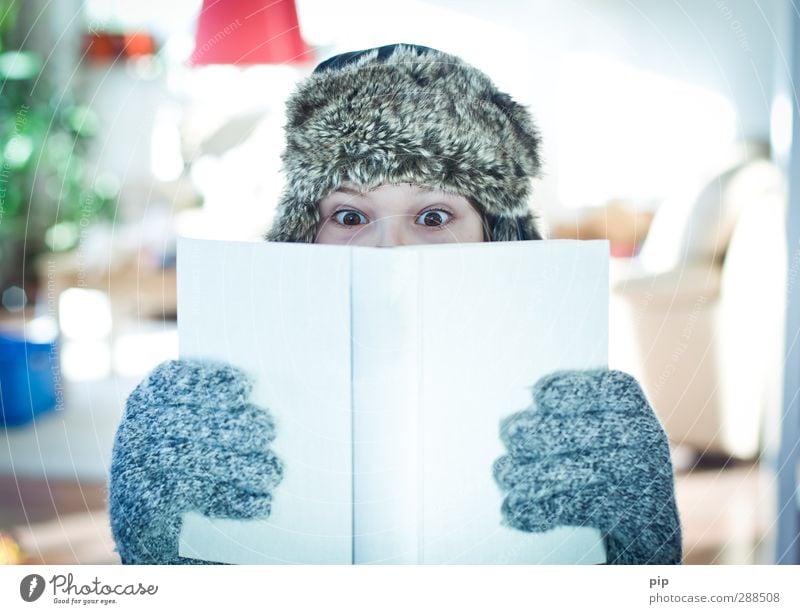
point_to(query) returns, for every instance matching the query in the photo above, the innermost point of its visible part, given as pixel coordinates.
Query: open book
(388, 372)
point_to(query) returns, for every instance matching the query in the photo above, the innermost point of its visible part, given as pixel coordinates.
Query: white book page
(490, 328)
(281, 312)
(442, 344)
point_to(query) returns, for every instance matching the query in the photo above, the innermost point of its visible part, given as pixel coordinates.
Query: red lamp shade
(245, 32)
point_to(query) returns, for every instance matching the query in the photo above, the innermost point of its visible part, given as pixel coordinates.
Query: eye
(350, 217)
(434, 217)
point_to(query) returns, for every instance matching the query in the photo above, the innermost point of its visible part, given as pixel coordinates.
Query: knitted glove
(590, 451)
(188, 440)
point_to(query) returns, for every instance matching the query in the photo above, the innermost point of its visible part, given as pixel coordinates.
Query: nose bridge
(391, 231)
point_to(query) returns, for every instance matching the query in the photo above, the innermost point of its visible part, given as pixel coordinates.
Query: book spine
(385, 353)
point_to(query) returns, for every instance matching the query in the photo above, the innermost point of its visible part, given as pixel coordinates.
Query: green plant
(48, 192)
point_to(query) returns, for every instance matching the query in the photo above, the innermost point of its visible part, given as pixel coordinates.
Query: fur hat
(407, 113)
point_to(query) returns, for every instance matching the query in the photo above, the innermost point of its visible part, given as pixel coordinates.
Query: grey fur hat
(407, 113)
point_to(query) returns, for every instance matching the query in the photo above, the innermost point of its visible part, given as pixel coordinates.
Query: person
(399, 145)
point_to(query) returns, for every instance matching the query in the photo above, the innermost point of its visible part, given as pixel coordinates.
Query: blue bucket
(29, 377)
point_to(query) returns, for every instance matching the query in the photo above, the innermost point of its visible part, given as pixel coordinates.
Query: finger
(508, 472)
(191, 382)
(630, 480)
(565, 508)
(532, 436)
(621, 392)
(521, 431)
(259, 472)
(230, 501)
(249, 428)
(599, 390)
(193, 464)
(566, 392)
(548, 477)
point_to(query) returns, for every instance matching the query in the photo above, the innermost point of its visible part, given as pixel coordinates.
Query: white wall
(786, 459)
(722, 46)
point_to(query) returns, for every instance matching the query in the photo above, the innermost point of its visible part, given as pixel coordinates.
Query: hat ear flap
(296, 221)
(528, 228)
(523, 228)
(524, 129)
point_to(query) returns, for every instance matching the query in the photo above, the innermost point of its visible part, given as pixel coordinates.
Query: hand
(590, 451)
(188, 440)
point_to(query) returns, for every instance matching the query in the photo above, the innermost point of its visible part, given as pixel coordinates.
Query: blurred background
(668, 130)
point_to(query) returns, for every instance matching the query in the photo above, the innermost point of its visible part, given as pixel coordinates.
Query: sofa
(698, 315)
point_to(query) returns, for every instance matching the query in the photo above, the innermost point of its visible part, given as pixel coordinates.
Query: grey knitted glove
(590, 451)
(188, 440)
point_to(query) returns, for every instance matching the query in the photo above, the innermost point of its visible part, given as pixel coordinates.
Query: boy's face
(397, 214)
